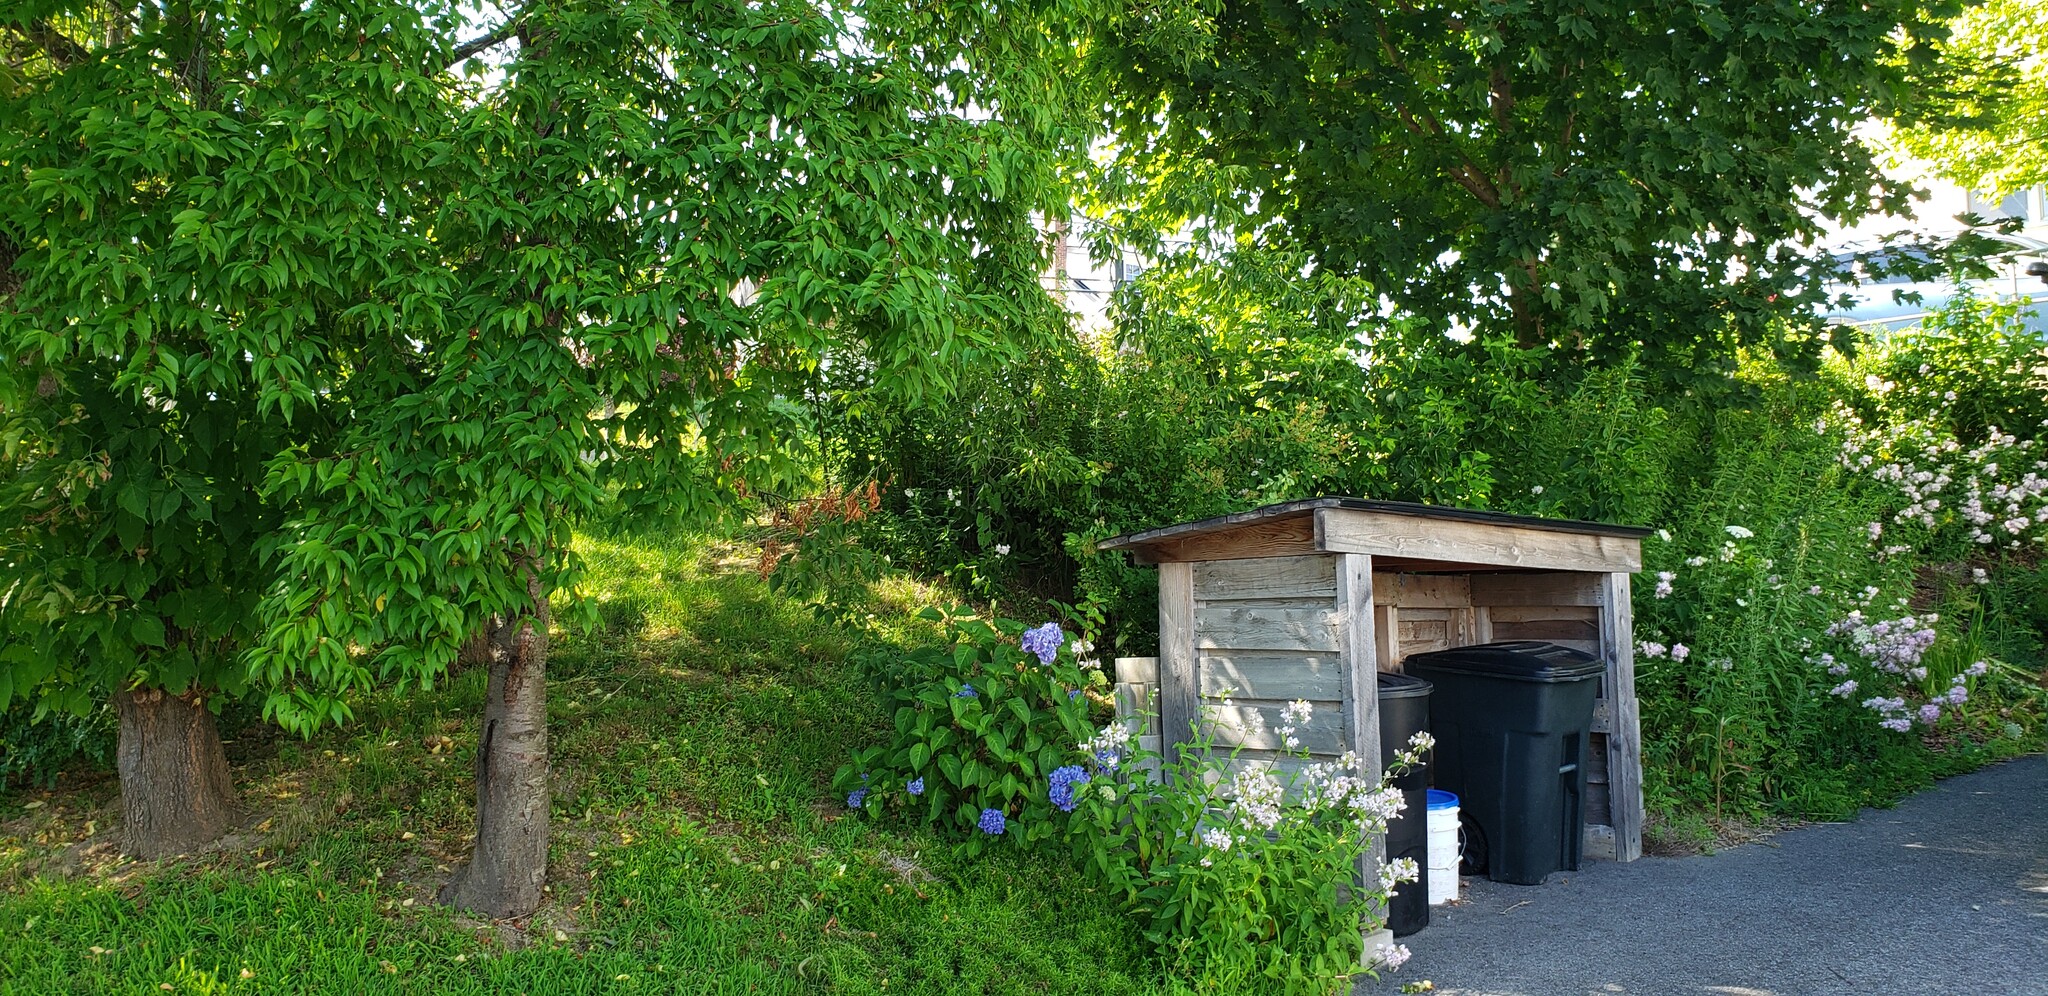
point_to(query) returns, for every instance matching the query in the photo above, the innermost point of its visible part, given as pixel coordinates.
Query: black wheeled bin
(1404, 712)
(1511, 722)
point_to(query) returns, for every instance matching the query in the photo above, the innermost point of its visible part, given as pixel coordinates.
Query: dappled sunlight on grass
(696, 843)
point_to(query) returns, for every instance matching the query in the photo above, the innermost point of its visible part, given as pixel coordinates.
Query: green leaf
(147, 630)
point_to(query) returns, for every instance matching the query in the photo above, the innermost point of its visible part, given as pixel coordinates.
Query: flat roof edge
(1306, 506)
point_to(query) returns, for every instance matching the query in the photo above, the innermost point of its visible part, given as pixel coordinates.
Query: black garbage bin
(1404, 712)
(1511, 722)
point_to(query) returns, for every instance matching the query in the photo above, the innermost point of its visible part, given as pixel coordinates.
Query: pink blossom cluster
(1894, 646)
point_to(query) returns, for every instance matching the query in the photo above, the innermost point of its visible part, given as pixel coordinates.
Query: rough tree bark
(176, 792)
(506, 871)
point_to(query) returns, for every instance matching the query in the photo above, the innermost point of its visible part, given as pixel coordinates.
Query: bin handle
(1567, 769)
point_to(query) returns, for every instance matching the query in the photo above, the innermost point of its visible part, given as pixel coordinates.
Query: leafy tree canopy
(1989, 130)
(1604, 175)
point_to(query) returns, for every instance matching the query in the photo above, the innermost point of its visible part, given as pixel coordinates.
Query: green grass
(697, 846)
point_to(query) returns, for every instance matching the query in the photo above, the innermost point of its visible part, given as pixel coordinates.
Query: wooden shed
(1313, 599)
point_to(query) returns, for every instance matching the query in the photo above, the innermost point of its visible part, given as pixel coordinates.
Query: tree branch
(489, 39)
(54, 43)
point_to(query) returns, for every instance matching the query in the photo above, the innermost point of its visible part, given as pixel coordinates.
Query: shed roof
(1401, 535)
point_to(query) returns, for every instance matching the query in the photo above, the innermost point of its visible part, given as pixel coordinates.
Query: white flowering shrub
(1246, 876)
(1824, 626)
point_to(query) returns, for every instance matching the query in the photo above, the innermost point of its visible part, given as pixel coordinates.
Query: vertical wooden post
(1624, 733)
(1386, 625)
(1361, 676)
(1179, 691)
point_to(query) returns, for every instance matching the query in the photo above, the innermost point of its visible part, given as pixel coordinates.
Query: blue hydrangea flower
(1063, 783)
(967, 692)
(1073, 693)
(1044, 641)
(856, 797)
(991, 821)
(916, 786)
(1106, 758)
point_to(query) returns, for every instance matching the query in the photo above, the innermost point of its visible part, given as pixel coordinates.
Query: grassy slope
(695, 846)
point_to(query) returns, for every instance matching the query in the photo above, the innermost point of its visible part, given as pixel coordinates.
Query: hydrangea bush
(984, 730)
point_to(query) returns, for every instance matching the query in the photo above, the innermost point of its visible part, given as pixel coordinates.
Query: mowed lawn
(697, 845)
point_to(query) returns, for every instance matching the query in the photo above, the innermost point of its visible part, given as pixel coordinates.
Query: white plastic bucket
(1443, 847)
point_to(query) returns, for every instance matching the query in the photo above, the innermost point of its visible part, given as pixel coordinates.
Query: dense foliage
(445, 314)
(1988, 127)
(1224, 392)
(1642, 182)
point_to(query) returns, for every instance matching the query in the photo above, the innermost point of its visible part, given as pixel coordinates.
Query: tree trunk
(176, 792)
(505, 873)
(1525, 302)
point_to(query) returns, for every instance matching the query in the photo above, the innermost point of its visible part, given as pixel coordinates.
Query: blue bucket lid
(1440, 799)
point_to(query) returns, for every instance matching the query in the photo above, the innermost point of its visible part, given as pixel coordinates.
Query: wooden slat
(1554, 630)
(1139, 669)
(1624, 740)
(1362, 686)
(1544, 613)
(1177, 695)
(1232, 628)
(1344, 530)
(1421, 636)
(1310, 577)
(1285, 537)
(1602, 717)
(1482, 624)
(1460, 631)
(1256, 725)
(1422, 591)
(1564, 588)
(1386, 627)
(1276, 675)
(1134, 706)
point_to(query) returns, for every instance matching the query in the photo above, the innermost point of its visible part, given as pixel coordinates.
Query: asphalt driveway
(1946, 894)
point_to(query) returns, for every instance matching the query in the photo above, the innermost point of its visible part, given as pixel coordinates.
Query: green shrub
(1244, 880)
(979, 727)
(35, 751)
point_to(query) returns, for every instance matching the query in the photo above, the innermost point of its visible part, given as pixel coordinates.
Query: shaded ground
(1945, 894)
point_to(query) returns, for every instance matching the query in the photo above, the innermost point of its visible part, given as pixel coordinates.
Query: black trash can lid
(1402, 686)
(1524, 660)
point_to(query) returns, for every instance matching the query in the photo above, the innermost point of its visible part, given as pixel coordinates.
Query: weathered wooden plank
(1362, 686)
(1544, 613)
(1346, 530)
(1603, 719)
(1386, 628)
(1177, 688)
(1256, 725)
(1144, 670)
(1624, 739)
(1420, 636)
(1224, 627)
(1135, 706)
(1482, 624)
(1309, 577)
(1561, 588)
(1422, 591)
(1598, 843)
(1292, 536)
(1553, 630)
(1269, 674)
